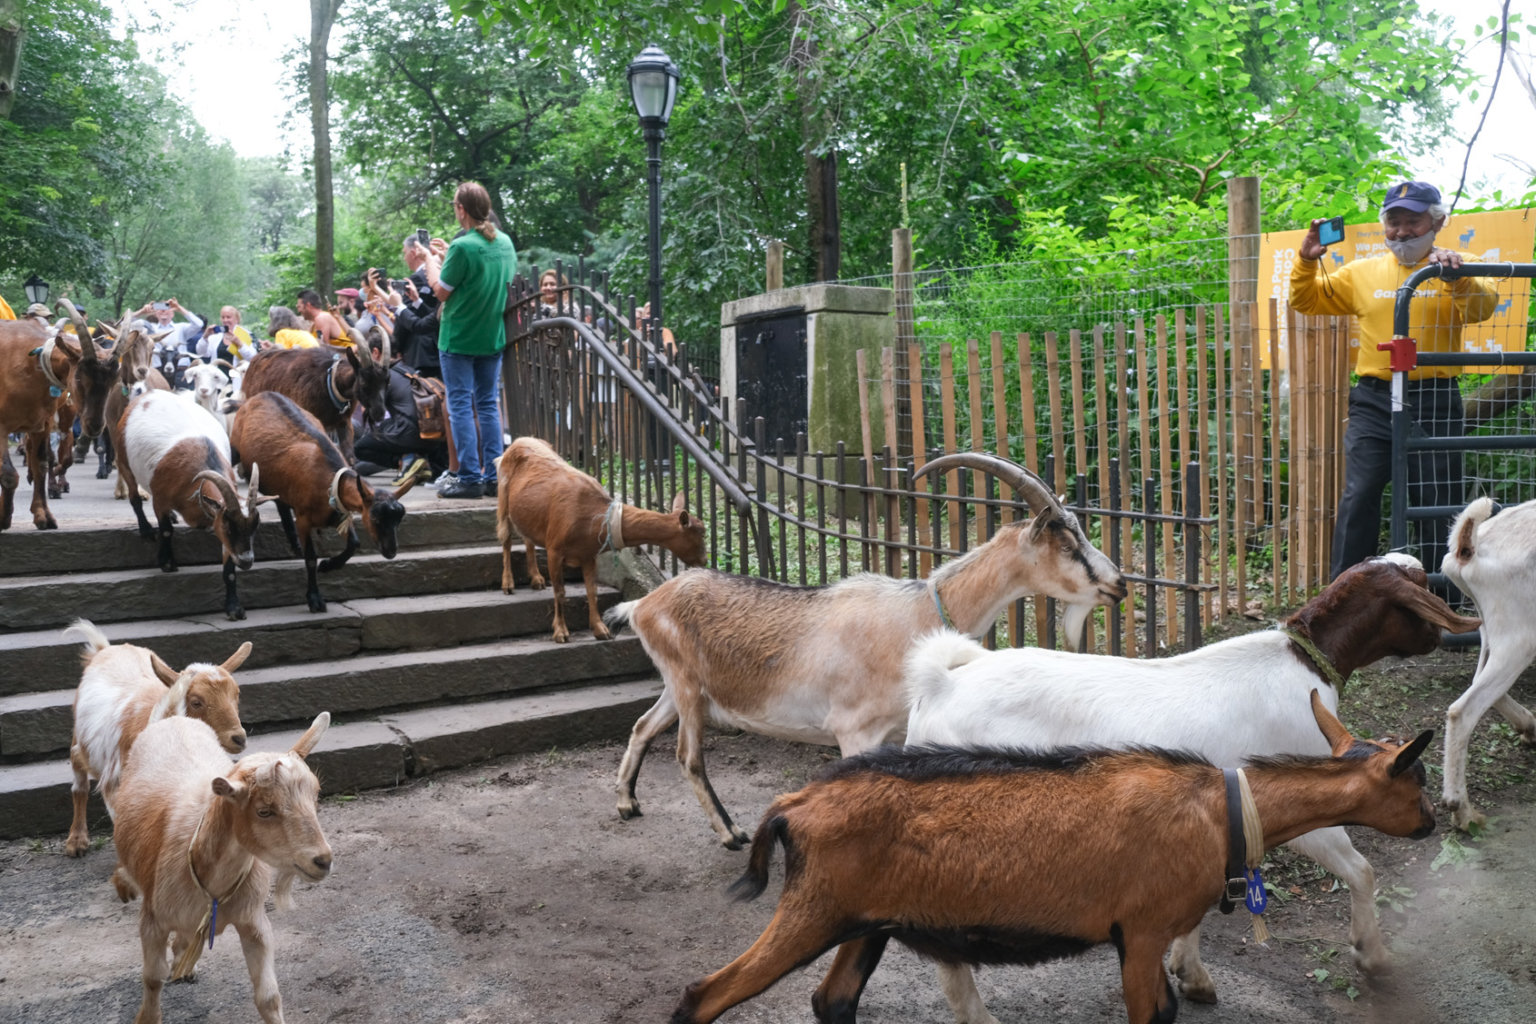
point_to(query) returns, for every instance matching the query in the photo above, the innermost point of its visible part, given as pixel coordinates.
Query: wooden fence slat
(1223, 494)
(1080, 435)
(1275, 461)
(1297, 535)
(1058, 431)
(1123, 446)
(919, 442)
(1165, 469)
(1004, 449)
(947, 404)
(1029, 429)
(1201, 449)
(973, 383)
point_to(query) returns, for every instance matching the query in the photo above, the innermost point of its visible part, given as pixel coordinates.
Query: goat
(1493, 560)
(183, 454)
(326, 384)
(37, 369)
(126, 688)
(823, 664)
(207, 382)
(1243, 697)
(312, 483)
(136, 374)
(201, 840)
(1010, 856)
(566, 512)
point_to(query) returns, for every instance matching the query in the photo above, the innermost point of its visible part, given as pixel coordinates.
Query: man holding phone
(416, 323)
(1411, 214)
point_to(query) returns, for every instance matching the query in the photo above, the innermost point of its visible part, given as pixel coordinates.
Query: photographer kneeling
(398, 440)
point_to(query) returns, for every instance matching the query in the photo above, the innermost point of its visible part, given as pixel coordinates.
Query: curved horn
(383, 342)
(219, 480)
(82, 330)
(1025, 483)
(360, 345)
(254, 494)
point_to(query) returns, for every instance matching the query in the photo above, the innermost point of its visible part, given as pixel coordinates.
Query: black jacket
(416, 330)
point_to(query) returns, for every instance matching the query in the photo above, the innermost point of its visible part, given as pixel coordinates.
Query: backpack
(431, 397)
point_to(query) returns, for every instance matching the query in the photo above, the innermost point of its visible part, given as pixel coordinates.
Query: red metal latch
(1405, 353)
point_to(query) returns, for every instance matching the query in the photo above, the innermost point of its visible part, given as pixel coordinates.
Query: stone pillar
(838, 321)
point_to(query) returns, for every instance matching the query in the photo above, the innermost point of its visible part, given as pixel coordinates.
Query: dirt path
(512, 893)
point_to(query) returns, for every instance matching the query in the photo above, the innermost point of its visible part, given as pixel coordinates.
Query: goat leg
(690, 755)
(531, 556)
(152, 937)
(1496, 673)
(1195, 981)
(232, 607)
(105, 456)
(312, 586)
(339, 560)
(836, 999)
(1149, 995)
(285, 514)
(595, 617)
(797, 935)
(166, 556)
(958, 983)
(650, 725)
(80, 792)
(38, 457)
(256, 944)
(557, 584)
(9, 480)
(136, 500)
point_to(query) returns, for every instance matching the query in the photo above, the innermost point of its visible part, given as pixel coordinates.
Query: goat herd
(1044, 802)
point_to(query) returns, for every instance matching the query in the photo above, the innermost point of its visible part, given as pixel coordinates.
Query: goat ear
(680, 503)
(1338, 737)
(1410, 753)
(238, 658)
(164, 672)
(1433, 610)
(403, 488)
(312, 735)
(682, 519)
(1038, 525)
(227, 787)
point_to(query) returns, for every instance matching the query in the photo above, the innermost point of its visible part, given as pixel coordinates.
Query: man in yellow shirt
(1411, 214)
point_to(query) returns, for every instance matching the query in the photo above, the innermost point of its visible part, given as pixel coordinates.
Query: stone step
(39, 660)
(95, 548)
(48, 600)
(369, 752)
(37, 724)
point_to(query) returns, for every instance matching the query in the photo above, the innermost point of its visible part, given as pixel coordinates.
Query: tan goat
(824, 664)
(201, 839)
(1007, 856)
(549, 503)
(125, 689)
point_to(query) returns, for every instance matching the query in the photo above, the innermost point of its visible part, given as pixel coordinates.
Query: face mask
(1411, 250)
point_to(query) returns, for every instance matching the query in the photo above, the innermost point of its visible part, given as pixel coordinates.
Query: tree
(322, 15)
(10, 52)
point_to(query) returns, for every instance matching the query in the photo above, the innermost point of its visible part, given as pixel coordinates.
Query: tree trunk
(10, 54)
(322, 15)
(824, 249)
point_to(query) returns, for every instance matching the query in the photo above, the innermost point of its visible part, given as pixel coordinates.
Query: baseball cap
(1417, 196)
(38, 309)
(350, 293)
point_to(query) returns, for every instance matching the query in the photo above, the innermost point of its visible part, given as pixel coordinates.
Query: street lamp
(36, 289)
(653, 88)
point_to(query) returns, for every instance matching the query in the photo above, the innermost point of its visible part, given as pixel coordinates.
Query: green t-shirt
(478, 271)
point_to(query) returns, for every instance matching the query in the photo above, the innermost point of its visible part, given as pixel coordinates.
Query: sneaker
(366, 468)
(490, 487)
(417, 470)
(461, 489)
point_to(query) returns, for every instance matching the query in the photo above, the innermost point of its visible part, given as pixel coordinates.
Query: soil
(513, 893)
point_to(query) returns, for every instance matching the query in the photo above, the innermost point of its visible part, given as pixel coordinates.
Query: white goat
(1493, 560)
(201, 839)
(125, 689)
(207, 382)
(1244, 697)
(823, 664)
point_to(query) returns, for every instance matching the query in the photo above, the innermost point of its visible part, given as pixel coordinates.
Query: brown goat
(39, 371)
(312, 483)
(122, 691)
(551, 504)
(1003, 856)
(325, 384)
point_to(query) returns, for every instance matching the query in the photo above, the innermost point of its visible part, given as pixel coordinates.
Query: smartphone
(162, 305)
(423, 237)
(1331, 231)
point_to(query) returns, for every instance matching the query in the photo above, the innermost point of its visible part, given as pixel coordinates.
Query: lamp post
(653, 88)
(36, 289)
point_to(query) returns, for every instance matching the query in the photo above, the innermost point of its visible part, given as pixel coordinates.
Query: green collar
(933, 588)
(1319, 659)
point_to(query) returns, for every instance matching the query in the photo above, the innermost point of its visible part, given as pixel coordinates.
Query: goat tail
(775, 828)
(1463, 536)
(932, 659)
(617, 617)
(95, 640)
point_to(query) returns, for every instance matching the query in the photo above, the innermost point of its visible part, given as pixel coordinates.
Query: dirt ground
(513, 893)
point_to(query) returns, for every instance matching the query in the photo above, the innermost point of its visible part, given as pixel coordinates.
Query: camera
(423, 237)
(1331, 231)
(161, 305)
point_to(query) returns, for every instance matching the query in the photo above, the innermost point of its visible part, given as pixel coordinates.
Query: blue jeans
(472, 383)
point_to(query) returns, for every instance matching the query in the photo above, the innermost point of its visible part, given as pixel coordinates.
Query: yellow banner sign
(1505, 236)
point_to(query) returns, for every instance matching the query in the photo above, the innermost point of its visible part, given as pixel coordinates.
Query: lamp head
(36, 289)
(653, 86)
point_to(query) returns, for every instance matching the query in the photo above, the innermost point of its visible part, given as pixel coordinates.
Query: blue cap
(1417, 196)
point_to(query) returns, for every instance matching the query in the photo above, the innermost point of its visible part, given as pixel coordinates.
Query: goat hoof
(561, 638)
(102, 474)
(317, 604)
(76, 847)
(1467, 818)
(45, 522)
(627, 811)
(55, 493)
(235, 614)
(737, 841)
(169, 567)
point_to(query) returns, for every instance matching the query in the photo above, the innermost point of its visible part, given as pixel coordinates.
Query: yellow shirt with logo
(1367, 290)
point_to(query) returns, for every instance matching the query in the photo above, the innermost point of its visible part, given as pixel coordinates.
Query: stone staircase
(423, 663)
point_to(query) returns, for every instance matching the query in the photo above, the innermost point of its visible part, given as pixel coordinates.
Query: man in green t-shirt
(470, 279)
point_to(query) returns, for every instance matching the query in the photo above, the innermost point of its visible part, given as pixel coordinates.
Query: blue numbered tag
(1256, 899)
(54, 391)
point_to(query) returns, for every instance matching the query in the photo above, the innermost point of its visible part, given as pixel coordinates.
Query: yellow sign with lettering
(1505, 236)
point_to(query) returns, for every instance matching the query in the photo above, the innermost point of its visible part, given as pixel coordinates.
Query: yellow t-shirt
(6, 313)
(1367, 290)
(292, 337)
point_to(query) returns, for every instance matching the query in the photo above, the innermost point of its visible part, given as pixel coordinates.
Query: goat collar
(210, 923)
(1245, 851)
(613, 527)
(341, 404)
(933, 589)
(44, 354)
(1319, 659)
(335, 500)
